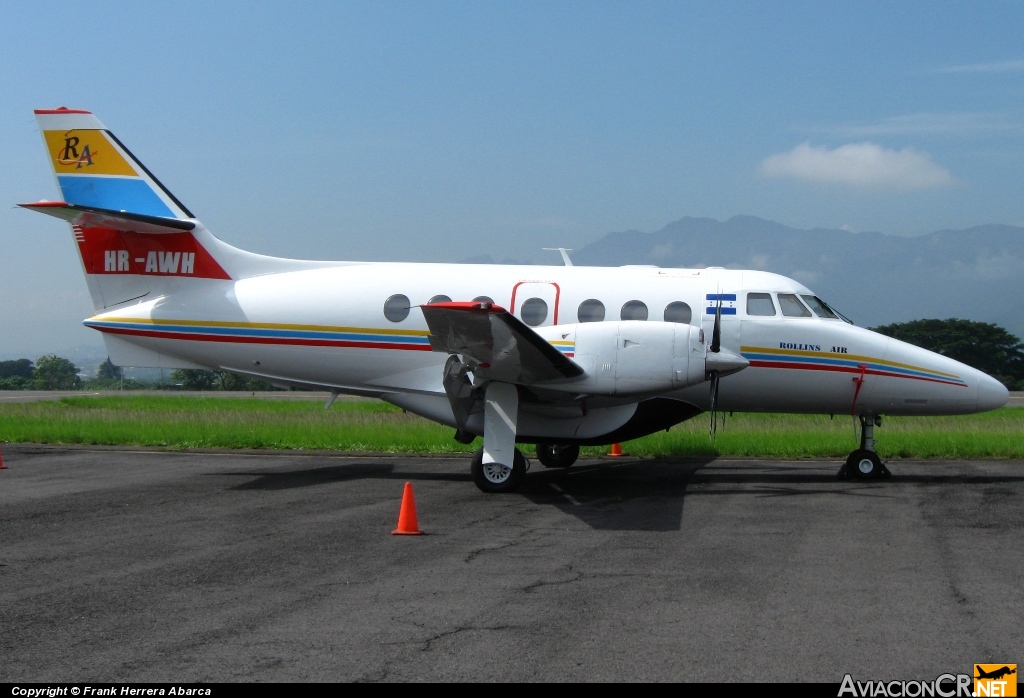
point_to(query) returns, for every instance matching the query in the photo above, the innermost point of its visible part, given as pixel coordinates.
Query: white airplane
(554, 356)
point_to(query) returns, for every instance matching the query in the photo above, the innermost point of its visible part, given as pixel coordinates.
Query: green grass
(998, 434)
(189, 422)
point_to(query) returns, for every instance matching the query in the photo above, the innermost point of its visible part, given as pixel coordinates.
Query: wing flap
(92, 217)
(499, 342)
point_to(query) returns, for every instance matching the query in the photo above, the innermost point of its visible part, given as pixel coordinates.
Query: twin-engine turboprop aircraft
(554, 356)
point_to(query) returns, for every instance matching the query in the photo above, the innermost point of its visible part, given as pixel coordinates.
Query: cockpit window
(760, 304)
(791, 306)
(819, 308)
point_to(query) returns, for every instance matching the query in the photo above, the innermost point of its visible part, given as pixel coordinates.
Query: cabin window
(678, 312)
(791, 306)
(439, 299)
(591, 310)
(396, 308)
(819, 308)
(633, 310)
(483, 299)
(760, 304)
(534, 311)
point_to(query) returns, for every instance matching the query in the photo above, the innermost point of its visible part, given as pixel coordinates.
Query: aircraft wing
(498, 342)
(92, 217)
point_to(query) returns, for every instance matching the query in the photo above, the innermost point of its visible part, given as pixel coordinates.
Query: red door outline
(558, 295)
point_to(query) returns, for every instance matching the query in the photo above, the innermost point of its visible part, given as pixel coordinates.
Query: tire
(496, 478)
(864, 465)
(556, 456)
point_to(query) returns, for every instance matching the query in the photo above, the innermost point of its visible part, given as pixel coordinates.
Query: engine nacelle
(633, 357)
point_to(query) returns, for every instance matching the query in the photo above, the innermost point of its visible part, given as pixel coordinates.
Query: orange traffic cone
(616, 451)
(407, 524)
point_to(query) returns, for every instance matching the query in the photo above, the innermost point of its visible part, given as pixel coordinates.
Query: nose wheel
(864, 463)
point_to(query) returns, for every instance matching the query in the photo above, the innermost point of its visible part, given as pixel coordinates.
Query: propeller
(716, 333)
(718, 362)
(715, 348)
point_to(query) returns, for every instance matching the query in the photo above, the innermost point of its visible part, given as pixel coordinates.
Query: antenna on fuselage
(565, 253)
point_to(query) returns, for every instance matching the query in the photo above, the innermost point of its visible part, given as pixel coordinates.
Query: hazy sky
(439, 131)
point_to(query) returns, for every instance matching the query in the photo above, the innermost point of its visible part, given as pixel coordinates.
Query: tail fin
(136, 240)
(94, 169)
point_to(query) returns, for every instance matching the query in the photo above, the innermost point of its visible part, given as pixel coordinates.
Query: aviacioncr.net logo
(944, 686)
(995, 680)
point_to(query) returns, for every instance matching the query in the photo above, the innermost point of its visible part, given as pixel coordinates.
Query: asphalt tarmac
(134, 565)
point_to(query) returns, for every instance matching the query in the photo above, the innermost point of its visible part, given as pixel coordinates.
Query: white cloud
(1000, 67)
(861, 165)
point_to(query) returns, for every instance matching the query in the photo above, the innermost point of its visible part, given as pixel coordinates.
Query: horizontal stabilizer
(92, 217)
(498, 342)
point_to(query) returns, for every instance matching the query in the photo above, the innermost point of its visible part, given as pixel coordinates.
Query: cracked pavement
(135, 565)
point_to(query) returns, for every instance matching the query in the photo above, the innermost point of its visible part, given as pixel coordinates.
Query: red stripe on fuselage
(267, 340)
(849, 369)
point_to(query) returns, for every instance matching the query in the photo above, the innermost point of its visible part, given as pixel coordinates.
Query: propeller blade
(731, 364)
(716, 333)
(714, 400)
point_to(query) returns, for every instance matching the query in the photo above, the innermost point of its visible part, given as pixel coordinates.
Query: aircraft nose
(991, 394)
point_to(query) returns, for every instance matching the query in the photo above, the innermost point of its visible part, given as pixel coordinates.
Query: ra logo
(69, 153)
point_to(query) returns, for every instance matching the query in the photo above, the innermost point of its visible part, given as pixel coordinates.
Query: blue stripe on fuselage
(807, 360)
(263, 332)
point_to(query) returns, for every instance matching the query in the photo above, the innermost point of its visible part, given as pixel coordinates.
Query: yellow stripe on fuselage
(261, 326)
(850, 357)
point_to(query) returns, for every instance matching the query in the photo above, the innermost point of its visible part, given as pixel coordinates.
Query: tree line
(985, 346)
(53, 372)
(981, 345)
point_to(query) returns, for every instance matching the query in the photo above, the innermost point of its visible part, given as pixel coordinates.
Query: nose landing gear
(864, 463)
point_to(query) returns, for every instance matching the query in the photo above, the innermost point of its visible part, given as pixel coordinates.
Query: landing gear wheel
(496, 478)
(555, 456)
(865, 465)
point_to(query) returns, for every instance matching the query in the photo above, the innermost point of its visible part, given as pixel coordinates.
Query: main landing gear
(496, 478)
(499, 466)
(864, 463)
(556, 456)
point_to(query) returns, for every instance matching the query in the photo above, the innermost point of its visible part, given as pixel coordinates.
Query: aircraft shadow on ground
(632, 495)
(649, 495)
(626, 496)
(312, 477)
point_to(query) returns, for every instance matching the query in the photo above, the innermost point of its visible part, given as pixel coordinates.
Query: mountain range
(873, 278)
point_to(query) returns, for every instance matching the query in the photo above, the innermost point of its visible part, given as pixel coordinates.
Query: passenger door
(536, 302)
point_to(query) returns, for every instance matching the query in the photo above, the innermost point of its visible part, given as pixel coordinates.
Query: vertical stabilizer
(136, 240)
(94, 169)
